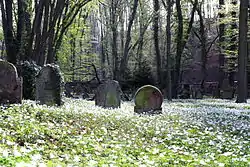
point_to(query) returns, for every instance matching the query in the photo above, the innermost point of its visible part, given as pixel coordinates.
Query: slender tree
(242, 49)
(203, 46)
(7, 20)
(168, 31)
(40, 38)
(156, 40)
(114, 29)
(181, 42)
(221, 41)
(232, 60)
(73, 55)
(124, 60)
(168, 8)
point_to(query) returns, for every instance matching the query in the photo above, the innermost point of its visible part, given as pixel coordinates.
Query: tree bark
(232, 60)
(124, 60)
(156, 41)
(114, 4)
(203, 47)
(73, 55)
(168, 31)
(103, 47)
(38, 40)
(242, 60)
(181, 42)
(10, 41)
(221, 41)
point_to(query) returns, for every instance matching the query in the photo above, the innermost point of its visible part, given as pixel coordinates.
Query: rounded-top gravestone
(48, 85)
(108, 94)
(10, 84)
(148, 99)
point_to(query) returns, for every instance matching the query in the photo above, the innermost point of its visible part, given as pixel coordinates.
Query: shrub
(29, 70)
(143, 75)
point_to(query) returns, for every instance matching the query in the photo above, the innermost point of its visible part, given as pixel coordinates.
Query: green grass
(188, 133)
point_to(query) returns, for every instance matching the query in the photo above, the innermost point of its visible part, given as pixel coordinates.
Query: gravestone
(10, 84)
(48, 85)
(227, 90)
(148, 100)
(108, 94)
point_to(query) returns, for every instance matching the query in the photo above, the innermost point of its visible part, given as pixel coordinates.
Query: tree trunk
(168, 31)
(103, 49)
(10, 41)
(124, 61)
(122, 31)
(23, 30)
(156, 40)
(181, 42)
(242, 60)
(40, 40)
(73, 56)
(178, 48)
(221, 41)
(203, 47)
(114, 4)
(139, 52)
(233, 46)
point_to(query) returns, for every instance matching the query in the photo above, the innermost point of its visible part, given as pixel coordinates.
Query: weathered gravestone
(48, 85)
(148, 100)
(10, 84)
(108, 94)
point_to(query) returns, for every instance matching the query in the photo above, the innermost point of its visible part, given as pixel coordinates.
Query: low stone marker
(148, 100)
(108, 94)
(10, 84)
(48, 85)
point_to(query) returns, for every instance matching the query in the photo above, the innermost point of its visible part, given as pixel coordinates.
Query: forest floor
(209, 132)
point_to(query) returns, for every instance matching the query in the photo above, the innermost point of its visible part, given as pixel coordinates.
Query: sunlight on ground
(207, 132)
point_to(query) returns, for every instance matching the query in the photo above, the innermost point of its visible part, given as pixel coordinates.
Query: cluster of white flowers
(197, 132)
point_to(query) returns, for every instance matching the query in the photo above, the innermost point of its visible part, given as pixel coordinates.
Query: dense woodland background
(165, 43)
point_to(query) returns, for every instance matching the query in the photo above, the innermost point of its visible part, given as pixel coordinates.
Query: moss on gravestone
(49, 85)
(29, 71)
(148, 98)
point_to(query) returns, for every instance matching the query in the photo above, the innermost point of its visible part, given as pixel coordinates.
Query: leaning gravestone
(48, 85)
(10, 84)
(108, 95)
(148, 100)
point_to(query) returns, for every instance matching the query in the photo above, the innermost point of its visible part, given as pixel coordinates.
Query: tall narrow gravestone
(108, 95)
(48, 85)
(10, 84)
(148, 100)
